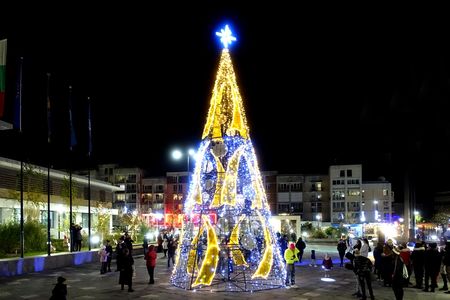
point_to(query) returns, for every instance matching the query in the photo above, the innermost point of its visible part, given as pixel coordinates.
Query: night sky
(320, 86)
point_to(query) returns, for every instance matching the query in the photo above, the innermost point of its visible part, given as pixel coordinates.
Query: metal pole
(89, 208)
(49, 241)
(22, 235)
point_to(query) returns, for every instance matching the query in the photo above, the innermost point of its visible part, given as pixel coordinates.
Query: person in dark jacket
(446, 262)
(397, 274)
(432, 266)
(387, 263)
(109, 249)
(418, 260)
(377, 257)
(363, 269)
(341, 247)
(59, 292)
(171, 251)
(300, 245)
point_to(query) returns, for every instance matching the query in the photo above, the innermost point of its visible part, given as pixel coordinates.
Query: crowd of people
(392, 264)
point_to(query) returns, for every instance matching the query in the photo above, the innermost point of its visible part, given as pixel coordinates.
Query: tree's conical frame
(227, 242)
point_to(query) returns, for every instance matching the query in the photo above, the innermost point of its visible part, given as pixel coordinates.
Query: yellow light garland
(237, 255)
(266, 262)
(209, 264)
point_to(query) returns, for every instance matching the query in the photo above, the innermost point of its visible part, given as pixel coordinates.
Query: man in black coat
(432, 266)
(341, 247)
(300, 245)
(418, 260)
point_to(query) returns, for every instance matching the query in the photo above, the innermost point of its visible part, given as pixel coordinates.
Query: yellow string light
(219, 182)
(226, 113)
(228, 194)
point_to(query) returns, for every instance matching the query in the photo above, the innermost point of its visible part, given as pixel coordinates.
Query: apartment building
(269, 179)
(346, 194)
(377, 197)
(129, 179)
(290, 194)
(316, 198)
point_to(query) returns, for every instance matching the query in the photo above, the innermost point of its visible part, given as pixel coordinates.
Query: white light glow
(363, 217)
(176, 154)
(158, 216)
(95, 239)
(327, 279)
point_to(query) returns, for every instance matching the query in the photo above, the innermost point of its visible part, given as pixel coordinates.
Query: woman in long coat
(126, 270)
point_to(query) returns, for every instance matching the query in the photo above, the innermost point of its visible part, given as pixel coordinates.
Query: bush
(9, 238)
(319, 234)
(35, 237)
(330, 231)
(59, 245)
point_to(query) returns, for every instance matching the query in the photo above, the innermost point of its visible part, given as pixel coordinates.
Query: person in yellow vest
(290, 255)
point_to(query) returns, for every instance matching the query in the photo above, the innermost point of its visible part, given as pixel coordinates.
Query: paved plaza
(85, 282)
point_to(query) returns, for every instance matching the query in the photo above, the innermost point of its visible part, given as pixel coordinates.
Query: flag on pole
(89, 128)
(73, 139)
(18, 102)
(2, 75)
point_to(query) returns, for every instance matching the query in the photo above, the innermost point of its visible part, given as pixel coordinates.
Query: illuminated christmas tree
(227, 242)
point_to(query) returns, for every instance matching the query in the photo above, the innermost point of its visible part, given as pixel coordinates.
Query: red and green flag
(2, 75)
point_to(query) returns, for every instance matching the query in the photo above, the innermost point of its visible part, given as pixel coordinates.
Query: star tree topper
(226, 36)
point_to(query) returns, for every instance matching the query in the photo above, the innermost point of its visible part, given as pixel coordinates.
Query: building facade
(50, 201)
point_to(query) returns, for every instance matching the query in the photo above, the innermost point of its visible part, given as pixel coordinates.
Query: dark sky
(320, 85)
